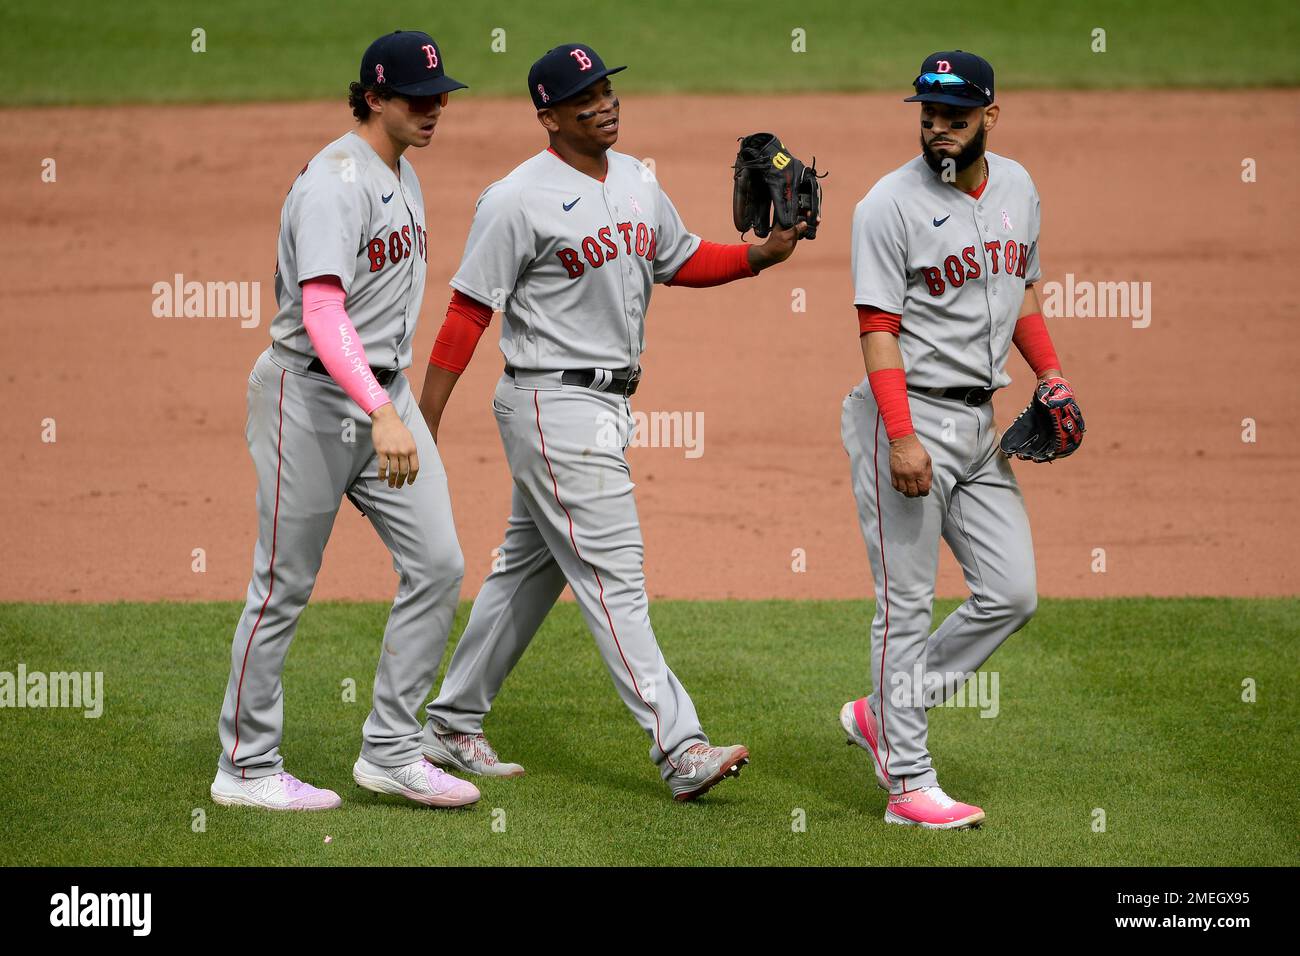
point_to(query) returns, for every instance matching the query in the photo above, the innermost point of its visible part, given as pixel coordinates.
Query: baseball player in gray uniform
(569, 246)
(945, 255)
(331, 414)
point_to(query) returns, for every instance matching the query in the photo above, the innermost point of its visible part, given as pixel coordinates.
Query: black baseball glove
(772, 189)
(1050, 427)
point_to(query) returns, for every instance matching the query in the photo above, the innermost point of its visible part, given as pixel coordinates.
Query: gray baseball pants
(311, 445)
(975, 505)
(573, 519)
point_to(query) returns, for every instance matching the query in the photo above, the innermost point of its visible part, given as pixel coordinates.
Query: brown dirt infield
(150, 461)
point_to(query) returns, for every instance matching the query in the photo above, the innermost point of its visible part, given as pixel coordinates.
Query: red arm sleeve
(461, 329)
(1035, 344)
(871, 319)
(713, 263)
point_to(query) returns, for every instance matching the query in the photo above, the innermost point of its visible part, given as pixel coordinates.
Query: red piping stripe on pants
(600, 584)
(884, 644)
(275, 528)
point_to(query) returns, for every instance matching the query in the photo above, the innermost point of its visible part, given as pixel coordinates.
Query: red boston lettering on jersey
(572, 265)
(399, 246)
(932, 279)
(607, 239)
(375, 250)
(1008, 257)
(431, 52)
(952, 268)
(992, 249)
(584, 61)
(591, 249)
(603, 247)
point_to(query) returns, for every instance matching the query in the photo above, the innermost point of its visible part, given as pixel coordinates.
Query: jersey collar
(579, 171)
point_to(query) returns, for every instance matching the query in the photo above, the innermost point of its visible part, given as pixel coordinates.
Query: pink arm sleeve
(337, 343)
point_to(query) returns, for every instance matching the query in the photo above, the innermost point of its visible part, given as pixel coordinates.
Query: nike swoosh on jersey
(386, 198)
(940, 222)
(569, 205)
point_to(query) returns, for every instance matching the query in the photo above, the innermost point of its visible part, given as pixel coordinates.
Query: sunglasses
(951, 84)
(423, 104)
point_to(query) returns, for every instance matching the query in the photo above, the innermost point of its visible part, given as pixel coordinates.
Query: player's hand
(778, 247)
(909, 466)
(398, 461)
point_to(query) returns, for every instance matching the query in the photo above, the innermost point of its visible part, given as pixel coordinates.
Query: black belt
(618, 381)
(969, 394)
(384, 376)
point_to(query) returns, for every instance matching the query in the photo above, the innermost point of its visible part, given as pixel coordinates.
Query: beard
(971, 152)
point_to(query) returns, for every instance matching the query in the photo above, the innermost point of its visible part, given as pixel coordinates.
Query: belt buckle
(976, 391)
(630, 384)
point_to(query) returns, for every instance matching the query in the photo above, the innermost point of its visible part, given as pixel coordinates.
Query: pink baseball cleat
(860, 724)
(931, 808)
(277, 791)
(420, 781)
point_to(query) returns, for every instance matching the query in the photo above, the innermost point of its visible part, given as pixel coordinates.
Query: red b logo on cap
(432, 53)
(943, 66)
(584, 61)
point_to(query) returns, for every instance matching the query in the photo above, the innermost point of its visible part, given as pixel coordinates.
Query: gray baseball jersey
(347, 215)
(570, 260)
(954, 267)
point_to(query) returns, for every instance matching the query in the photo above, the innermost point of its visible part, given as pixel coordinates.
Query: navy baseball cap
(954, 77)
(408, 62)
(568, 69)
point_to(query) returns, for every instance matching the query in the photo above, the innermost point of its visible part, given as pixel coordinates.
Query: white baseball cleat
(701, 768)
(470, 753)
(420, 781)
(277, 791)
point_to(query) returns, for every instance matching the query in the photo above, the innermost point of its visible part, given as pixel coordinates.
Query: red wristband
(1035, 344)
(889, 386)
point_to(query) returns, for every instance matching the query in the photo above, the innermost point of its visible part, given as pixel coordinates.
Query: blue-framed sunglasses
(950, 84)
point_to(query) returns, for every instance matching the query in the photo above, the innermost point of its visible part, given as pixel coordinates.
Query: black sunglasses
(423, 104)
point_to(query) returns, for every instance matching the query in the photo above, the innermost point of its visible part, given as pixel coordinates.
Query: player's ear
(990, 117)
(547, 118)
(374, 101)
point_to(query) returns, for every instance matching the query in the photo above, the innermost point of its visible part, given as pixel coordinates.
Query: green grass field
(82, 52)
(1131, 706)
